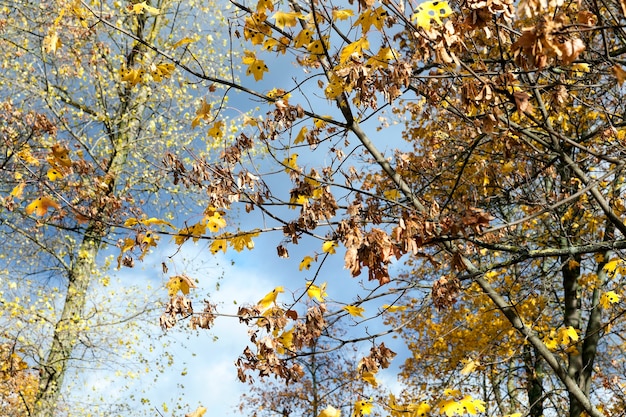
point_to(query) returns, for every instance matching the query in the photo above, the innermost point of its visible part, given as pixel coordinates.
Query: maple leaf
(54, 174)
(608, 298)
(41, 205)
(286, 340)
(301, 136)
(305, 37)
(619, 73)
(472, 406)
(242, 241)
(550, 340)
(330, 411)
(431, 10)
(199, 412)
(256, 66)
(394, 308)
(316, 293)
(329, 247)
(182, 42)
(288, 19)
(218, 245)
(306, 263)
(363, 407)
(354, 311)
(60, 156)
(470, 366)
(370, 17)
(202, 113)
(270, 298)
(217, 130)
(216, 222)
(370, 378)
(450, 407)
(18, 190)
(180, 283)
(342, 14)
(131, 76)
(291, 163)
(355, 48)
(611, 266)
(139, 8)
(51, 43)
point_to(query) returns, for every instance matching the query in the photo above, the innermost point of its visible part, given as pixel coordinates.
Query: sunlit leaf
(41, 205)
(354, 311)
(431, 10)
(316, 293)
(180, 283)
(270, 298)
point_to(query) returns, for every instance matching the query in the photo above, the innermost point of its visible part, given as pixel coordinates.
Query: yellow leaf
(25, 155)
(316, 293)
(216, 222)
(611, 266)
(431, 10)
(41, 205)
(370, 17)
(450, 407)
(306, 263)
(183, 41)
(217, 130)
(243, 241)
(154, 220)
(51, 43)
(270, 298)
(288, 19)
(608, 298)
(472, 406)
(330, 411)
(550, 340)
(329, 247)
(139, 8)
(286, 340)
(54, 174)
(198, 413)
(291, 163)
(256, 66)
(218, 245)
(301, 136)
(354, 311)
(202, 113)
(370, 378)
(342, 14)
(132, 76)
(355, 48)
(470, 366)
(362, 408)
(18, 190)
(394, 308)
(568, 335)
(305, 37)
(128, 244)
(180, 283)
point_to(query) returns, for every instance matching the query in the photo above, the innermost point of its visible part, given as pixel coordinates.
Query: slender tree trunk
(67, 329)
(534, 381)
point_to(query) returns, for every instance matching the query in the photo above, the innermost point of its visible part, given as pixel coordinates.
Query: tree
(328, 381)
(87, 112)
(479, 144)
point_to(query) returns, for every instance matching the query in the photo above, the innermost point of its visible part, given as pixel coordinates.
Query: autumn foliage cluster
(466, 159)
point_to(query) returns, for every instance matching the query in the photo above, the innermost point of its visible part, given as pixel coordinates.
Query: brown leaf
(521, 101)
(619, 73)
